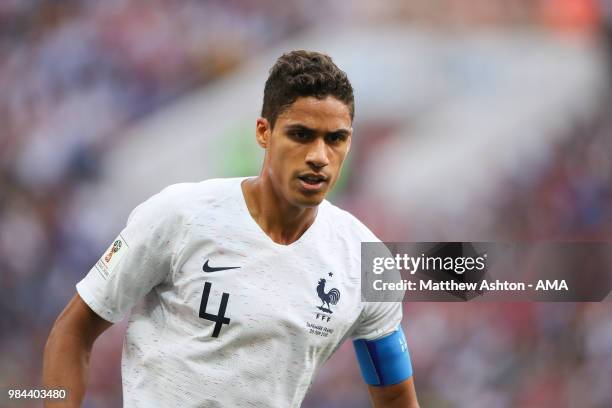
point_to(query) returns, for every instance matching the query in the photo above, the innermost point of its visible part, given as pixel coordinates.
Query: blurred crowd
(530, 354)
(74, 74)
(570, 198)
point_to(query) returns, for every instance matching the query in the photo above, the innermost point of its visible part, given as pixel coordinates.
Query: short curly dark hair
(304, 73)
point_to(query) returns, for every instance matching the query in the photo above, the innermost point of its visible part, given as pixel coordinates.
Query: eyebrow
(306, 129)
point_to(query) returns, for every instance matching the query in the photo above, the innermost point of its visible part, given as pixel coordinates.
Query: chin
(309, 201)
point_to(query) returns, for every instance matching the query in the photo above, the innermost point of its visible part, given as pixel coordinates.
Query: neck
(282, 222)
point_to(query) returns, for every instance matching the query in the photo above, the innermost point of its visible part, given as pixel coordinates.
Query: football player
(238, 290)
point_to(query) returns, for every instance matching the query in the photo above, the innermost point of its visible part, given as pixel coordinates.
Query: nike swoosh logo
(207, 268)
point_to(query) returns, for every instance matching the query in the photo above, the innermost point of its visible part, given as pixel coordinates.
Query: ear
(263, 132)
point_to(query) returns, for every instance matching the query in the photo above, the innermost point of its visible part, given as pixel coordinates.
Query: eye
(299, 135)
(336, 138)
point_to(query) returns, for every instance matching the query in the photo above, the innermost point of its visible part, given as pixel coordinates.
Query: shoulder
(346, 224)
(182, 194)
(211, 188)
(182, 199)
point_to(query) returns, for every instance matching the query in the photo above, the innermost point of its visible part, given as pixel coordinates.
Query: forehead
(328, 113)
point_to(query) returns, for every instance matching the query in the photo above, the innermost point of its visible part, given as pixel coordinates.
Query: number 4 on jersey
(220, 318)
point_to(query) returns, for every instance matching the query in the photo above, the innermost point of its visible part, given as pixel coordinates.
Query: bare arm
(400, 395)
(66, 358)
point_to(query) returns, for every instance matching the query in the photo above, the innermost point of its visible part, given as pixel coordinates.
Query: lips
(312, 182)
(312, 178)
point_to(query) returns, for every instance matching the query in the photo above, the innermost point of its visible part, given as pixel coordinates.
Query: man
(240, 289)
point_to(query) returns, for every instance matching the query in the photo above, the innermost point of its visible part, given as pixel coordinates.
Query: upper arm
(397, 395)
(139, 259)
(77, 317)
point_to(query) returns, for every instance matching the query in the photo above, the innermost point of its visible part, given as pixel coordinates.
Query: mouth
(312, 181)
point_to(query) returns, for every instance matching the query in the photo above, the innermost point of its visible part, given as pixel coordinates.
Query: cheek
(339, 156)
(284, 160)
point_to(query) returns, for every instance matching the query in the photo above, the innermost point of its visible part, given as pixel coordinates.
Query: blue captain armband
(384, 361)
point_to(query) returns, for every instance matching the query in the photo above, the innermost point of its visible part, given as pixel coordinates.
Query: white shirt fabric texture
(277, 329)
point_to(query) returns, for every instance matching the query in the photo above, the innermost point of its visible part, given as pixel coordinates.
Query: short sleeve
(135, 262)
(377, 320)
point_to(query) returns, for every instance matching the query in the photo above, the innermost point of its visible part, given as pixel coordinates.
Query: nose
(317, 154)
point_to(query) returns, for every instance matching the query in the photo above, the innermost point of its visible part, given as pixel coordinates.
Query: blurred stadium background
(475, 120)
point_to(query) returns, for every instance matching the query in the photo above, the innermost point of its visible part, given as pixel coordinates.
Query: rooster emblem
(331, 297)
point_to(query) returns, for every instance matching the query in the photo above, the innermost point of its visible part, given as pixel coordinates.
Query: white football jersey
(221, 315)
